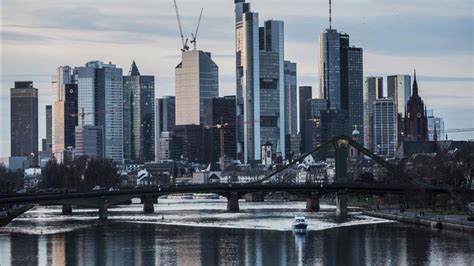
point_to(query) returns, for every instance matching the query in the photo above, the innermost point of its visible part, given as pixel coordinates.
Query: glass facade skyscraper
(291, 107)
(139, 116)
(385, 138)
(165, 111)
(373, 89)
(355, 90)
(399, 88)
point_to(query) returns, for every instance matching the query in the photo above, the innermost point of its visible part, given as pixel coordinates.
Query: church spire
(415, 85)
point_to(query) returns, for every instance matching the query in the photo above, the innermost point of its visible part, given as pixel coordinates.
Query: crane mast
(183, 41)
(194, 36)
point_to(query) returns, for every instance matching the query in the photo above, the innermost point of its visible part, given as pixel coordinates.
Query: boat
(300, 225)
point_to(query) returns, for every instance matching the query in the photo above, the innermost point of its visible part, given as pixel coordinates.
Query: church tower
(416, 123)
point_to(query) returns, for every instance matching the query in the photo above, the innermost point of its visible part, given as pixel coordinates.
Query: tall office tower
(165, 112)
(355, 91)
(248, 82)
(312, 124)
(49, 128)
(385, 127)
(291, 109)
(399, 88)
(64, 111)
(138, 116)
(197, 79)
(436, 130)
(305, 93)
(100, 103)
(416, 123)
(373, 89)
(24, 120)
(329, 43)
(220, 115)
(272, 86)
(90, 141)
(190, 140)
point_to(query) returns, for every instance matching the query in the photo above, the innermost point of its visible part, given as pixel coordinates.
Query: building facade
(290, 99)
(197, 79)
(165, 113)
(373, 90)
(49, 129)
(399, 88)
(436, 130)
(355, 85)
(220, 116)
(312, 124)
(138, 116)
(24, 120)
(385, 138)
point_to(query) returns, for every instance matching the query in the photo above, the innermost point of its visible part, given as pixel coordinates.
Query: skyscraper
(49, 128)
(220, 113)
(24, 120)
(399, 88)
(291, 109)
(385, 127)
(436, 130)
(138, 115)
(197, 79)
(312, 124)
(165, 112)
(305, 93)
(100, 103)
(416, 123)
(329, 43)
(355, 90)
(373, 89)
(260, 83)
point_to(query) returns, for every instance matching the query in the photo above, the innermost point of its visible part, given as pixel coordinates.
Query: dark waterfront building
(333, 123)
(291, 106)
(24, 119)
(190, 138)
(165, 119)
(218, 112)
(48, 145)
(416, 122)
(305, 93)
(293, 145)
(138, 116)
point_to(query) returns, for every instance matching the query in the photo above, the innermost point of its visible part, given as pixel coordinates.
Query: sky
(433, 36)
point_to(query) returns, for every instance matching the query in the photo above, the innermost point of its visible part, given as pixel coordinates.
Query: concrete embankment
(438, 223)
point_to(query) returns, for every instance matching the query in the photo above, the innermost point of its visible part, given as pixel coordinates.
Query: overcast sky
(433, 36)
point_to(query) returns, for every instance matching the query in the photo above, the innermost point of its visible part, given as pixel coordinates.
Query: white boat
(299, 224)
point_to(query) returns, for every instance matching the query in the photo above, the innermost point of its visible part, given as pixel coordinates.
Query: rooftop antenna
(194, 35)
(330, 19)
(183, 41)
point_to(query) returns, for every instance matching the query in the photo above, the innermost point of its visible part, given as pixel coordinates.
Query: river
(201, 232)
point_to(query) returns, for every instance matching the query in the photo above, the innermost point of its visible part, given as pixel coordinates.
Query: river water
(201, 232)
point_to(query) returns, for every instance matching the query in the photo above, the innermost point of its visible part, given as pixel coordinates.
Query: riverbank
(444, 222)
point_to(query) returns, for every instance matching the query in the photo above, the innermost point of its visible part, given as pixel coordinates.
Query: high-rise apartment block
(260, 83)
(373, 90)
(385, 134)
(197, 79)
(138, 116)
(24, 120)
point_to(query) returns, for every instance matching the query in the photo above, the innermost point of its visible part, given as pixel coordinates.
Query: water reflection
(120, 243)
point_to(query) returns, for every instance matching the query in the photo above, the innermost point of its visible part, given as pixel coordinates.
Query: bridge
(276, 181)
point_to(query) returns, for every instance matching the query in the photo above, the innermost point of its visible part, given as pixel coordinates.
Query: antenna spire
(330, 19)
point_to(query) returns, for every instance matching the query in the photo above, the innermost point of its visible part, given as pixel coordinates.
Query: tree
(102, 172)
(10, 181)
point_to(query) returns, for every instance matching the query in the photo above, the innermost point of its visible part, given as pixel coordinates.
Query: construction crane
(194, 36)
(183, 40)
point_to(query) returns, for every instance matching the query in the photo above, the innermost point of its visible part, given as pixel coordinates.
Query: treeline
(10, 181)
(83, 173)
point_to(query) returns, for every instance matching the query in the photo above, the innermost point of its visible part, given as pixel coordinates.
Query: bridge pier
(103, 213)
(67, 209)
(233, 202)
(341, 205)
(312, 202)
(148, 204)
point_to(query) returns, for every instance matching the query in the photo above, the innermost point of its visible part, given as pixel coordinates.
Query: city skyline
(379, 59)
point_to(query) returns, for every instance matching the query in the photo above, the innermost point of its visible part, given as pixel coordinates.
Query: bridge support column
(233, 202)
(148, 204)
(312, 202)
(67, 209)
(103, 213)
(341, 205)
